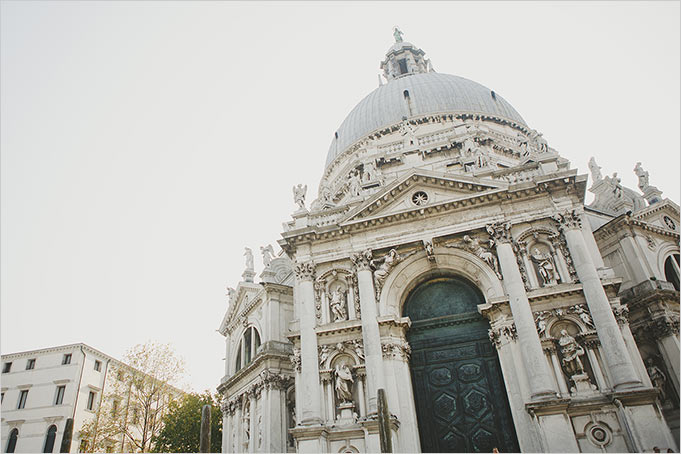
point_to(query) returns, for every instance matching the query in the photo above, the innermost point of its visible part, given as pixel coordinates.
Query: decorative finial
(397, 33)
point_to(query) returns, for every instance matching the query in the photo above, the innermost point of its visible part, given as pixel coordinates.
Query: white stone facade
(86, 375)
(454, 194)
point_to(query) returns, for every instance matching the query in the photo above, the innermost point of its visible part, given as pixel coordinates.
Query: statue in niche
(571, 352)
(595, 170)
(337, 305)
(299, 192)
(343, 383)
(545, 267)
(657, 377)
(267, 254)
(474, 245)
(643, 177)
(355, 184)
(249, 258)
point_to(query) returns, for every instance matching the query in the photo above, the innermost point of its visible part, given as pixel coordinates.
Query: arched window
(671, 270)
(12, 442)
(248, 347)
(49, 438)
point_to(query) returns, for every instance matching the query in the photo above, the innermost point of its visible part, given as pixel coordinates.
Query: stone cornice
(251, 371)
(507, 195)
(430, 118)
(621, 225)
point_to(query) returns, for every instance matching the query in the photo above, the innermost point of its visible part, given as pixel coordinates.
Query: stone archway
(461, 400)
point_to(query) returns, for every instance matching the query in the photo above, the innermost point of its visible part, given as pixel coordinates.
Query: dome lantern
(404, 59)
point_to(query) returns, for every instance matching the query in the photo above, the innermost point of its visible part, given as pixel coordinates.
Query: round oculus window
(419, 198)
(599, 435)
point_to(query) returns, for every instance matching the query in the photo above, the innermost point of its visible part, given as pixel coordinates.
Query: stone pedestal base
(583, 385)
(652, 195)
(248, 275)
(347, 415)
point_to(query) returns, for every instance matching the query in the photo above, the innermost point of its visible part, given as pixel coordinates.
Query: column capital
(304, 270)
(362, 260)
(568, 220)
(500, 231)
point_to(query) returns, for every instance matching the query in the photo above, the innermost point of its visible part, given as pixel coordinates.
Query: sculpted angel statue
(344, 383)
(389, 262)
(473, 245)
(299, 195)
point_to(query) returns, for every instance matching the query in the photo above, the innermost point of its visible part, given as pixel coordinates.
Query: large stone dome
(428, 93)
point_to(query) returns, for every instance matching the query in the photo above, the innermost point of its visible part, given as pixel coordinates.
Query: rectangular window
(2, 397)
(66, 359)
(6, 367)
(91, 400)
(114, 408)
(403, 66)
(30, 364)
(60, 395)
(22, 399)
(98, 366)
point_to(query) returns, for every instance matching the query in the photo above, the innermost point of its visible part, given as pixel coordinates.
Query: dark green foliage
(182, 425)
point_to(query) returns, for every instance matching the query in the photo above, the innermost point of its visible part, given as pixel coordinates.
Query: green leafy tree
(131, 413)
(182, 425)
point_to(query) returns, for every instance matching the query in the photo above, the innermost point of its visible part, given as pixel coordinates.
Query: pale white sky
(144, 144)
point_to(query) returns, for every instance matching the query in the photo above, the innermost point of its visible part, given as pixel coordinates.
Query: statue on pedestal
(299, 192)
(343, 383)
(249, 259)
(643, 177)
(571, 352)
(267, 254)
(545, 267)
(595, 170)
(337, 305)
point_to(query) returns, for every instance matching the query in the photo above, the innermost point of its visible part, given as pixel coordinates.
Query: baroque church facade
(450, 260)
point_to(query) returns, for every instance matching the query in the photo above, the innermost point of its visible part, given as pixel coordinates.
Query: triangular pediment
(421, 189)
(239, 300)
(663, 214)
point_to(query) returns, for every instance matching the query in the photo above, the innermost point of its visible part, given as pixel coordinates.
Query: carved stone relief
(483, 248)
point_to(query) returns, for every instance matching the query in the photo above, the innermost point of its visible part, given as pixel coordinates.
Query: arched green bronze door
(461, 401)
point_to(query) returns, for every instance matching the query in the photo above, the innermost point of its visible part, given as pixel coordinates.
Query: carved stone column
(591, 346)
(252, 443)
(311, 405)
(226, 426)
(616, 354)
(560, 377)
(327, 387)
(361, 378)
(531, 274)
(541, 382)
(370, 332)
